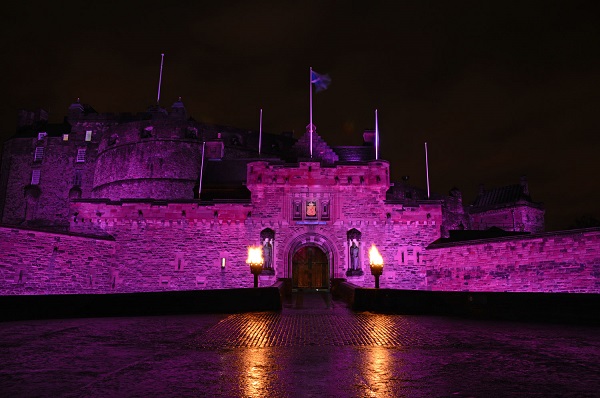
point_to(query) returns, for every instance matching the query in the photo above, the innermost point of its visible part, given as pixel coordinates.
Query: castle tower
(158, 158)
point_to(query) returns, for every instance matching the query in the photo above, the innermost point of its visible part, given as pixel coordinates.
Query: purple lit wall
(180, 247)
(567, 261)
(133, 224)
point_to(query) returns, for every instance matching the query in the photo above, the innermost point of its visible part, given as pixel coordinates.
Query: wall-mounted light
(223, 262)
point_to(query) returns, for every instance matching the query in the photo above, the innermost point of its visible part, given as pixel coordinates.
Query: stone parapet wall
(38, 262)
(181, 247)
(567, 261)
(521, 217)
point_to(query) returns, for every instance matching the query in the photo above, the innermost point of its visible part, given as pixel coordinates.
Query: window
(147, 132)
(297, 206)
(325, 210)
(77, 179)
(88, 135)
(35, 177)
(80, 155)
(41, 135)
(65, 137)
(191, 132)
(39, 154)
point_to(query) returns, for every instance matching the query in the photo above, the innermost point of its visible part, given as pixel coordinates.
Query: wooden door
(310, 269)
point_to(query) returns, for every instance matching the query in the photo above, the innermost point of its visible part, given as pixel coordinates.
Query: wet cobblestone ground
(315, 347)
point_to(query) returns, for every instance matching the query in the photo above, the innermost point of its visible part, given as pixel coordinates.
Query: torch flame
(255, 255)
(374, 257)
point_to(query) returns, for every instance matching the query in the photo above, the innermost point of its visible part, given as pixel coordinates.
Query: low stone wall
(565, 261)
(139, 304)
(530, 307)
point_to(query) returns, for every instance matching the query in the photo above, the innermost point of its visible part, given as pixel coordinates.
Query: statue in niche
(268, 253)
(354, 250)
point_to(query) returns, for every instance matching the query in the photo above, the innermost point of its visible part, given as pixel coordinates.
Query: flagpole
(376, 137)
(201, 170)
(310, 125)
(162, 57)
(260, 133)
(427, 169)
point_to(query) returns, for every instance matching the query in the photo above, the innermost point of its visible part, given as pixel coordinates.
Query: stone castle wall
(521, 217)
(133, 246)
(567, 261)
(185, 254)
(121, 243)
(149, 159)
(48, 201)
(37, 262)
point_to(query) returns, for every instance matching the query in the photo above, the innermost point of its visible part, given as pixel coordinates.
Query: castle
(157, 201)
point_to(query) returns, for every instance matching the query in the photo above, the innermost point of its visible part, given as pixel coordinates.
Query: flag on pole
(320, 81)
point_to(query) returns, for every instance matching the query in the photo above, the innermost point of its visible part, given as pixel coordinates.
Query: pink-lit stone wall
(36, 262)
(133, 245)
(161, 165)
(50, 206)
(567, 261)
(522, 217)
(175, 246)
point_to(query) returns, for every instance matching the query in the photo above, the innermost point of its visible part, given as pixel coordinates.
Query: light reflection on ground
(310, 352)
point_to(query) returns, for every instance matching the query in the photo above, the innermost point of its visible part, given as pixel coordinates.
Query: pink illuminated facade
(113, 203)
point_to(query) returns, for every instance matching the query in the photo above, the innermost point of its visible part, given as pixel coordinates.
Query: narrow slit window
(35, 177)
(39, 154)
(80, 155)
(88, 135)
(77, 179)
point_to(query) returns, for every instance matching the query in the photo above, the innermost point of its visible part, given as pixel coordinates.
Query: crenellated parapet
(368, 175)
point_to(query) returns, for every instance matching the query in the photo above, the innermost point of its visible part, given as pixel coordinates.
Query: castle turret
(76, 110)
(157, 159)
(178, 110)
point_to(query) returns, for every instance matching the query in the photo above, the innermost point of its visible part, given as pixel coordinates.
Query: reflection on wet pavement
(314, 347)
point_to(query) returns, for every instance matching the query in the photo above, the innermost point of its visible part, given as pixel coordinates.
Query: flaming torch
(255, 260)
(376, 263)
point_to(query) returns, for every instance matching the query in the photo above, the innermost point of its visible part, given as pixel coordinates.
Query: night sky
(497, 89)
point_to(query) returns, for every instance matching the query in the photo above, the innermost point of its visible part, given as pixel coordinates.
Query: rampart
(564, 261)
(39, 262)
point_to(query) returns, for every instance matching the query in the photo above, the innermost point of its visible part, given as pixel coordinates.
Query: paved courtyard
(314, 347)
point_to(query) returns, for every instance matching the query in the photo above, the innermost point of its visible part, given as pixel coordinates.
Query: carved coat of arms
(311, 209)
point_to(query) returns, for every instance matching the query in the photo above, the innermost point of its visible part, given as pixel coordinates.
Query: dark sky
(497, 89)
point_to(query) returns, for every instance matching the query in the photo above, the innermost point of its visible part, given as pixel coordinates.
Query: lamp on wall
(256, 261)
(376, 263)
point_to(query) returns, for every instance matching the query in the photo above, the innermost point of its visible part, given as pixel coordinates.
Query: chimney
(75, 110)
(524, 185)
(481, 189)
(25, 118)
(369, 137)
(178, 110)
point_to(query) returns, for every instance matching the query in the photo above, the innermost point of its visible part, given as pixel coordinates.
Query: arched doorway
(310, 268)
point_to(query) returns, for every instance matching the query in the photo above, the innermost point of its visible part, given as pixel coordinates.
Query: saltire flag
(320, 81)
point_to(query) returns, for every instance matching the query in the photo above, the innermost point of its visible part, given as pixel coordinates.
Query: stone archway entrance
(310, 268)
